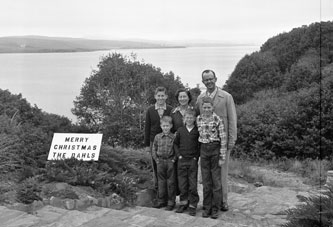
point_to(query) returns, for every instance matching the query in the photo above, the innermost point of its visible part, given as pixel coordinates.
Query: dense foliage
(25, 135)
(284, 93)
(114, 98)
(117, 171)
(293, 60)
(291, 124)
(315, 211)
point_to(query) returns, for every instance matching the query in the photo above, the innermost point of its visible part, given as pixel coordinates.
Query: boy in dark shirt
(186, 146)
(152, 124)
(164, 155)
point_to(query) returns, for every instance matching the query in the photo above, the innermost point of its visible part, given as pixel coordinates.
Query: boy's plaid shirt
(163, 146)
(212, 130)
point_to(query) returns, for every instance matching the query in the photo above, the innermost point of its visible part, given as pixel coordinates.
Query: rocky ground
(258, 204)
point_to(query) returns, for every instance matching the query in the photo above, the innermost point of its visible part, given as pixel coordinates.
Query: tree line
(284, 95)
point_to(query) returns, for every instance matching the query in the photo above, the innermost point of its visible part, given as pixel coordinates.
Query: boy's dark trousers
(188, 181)
(211, 175)
(154, 167)
(166, 182)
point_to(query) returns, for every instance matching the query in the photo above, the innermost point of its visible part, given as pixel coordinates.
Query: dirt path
(277, 178)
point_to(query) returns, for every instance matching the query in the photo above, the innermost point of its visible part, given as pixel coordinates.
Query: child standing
(152, 123)
(164, 156)
(186, 146)
(212, 154)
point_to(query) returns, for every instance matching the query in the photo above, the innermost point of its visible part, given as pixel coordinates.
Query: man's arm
(232, 122)
(223, 139)
(197, 106)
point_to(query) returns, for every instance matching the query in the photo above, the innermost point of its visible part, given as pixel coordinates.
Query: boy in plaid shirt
(213, 149)
(164, 155)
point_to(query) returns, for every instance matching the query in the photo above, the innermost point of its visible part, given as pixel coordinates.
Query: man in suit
(224, 107)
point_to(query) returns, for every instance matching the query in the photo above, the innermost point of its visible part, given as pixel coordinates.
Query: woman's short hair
(186, 91)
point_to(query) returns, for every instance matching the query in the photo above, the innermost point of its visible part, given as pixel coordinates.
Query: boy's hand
(221, 162)
(222, 158)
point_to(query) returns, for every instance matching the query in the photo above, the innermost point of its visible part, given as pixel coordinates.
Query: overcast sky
(244, 21)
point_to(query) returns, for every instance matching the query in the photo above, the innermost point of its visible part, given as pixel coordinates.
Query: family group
(182, 138)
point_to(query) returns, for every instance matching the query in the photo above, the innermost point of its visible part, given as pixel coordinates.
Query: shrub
(118, 171)
(72, 171)
(315, 211)
(29, 190)
(277, 124)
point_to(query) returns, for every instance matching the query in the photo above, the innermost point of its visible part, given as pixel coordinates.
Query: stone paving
(249, 206)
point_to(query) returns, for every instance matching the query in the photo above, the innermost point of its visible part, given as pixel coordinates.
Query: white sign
(81, 146)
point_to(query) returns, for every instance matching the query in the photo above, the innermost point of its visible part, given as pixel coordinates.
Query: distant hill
(284, 94)
(197, 43)
(287, 61)
(42, 44)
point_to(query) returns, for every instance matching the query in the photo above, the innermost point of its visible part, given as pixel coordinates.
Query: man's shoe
(181, 209)
(215, 214)
(224, 207)
(169, 207)
(192, 211)
(158, 206)
(206, 214)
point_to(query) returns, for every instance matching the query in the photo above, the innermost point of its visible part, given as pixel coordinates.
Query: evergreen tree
(114, 98)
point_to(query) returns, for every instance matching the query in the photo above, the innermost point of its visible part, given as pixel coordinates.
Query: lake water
(53, 80)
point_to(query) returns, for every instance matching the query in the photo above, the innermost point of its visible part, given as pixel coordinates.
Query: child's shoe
(224, 207)
(215, 214)
(170, 207)
(158, 206)
(206, 213)
(192, 211)
(181, 209)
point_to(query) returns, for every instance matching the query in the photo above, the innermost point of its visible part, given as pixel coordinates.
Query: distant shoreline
(44, 44)
(117, 48)
(83, 50)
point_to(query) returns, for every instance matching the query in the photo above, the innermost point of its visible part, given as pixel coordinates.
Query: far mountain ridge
(40, 44)
(46, 44)
(194, 42)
